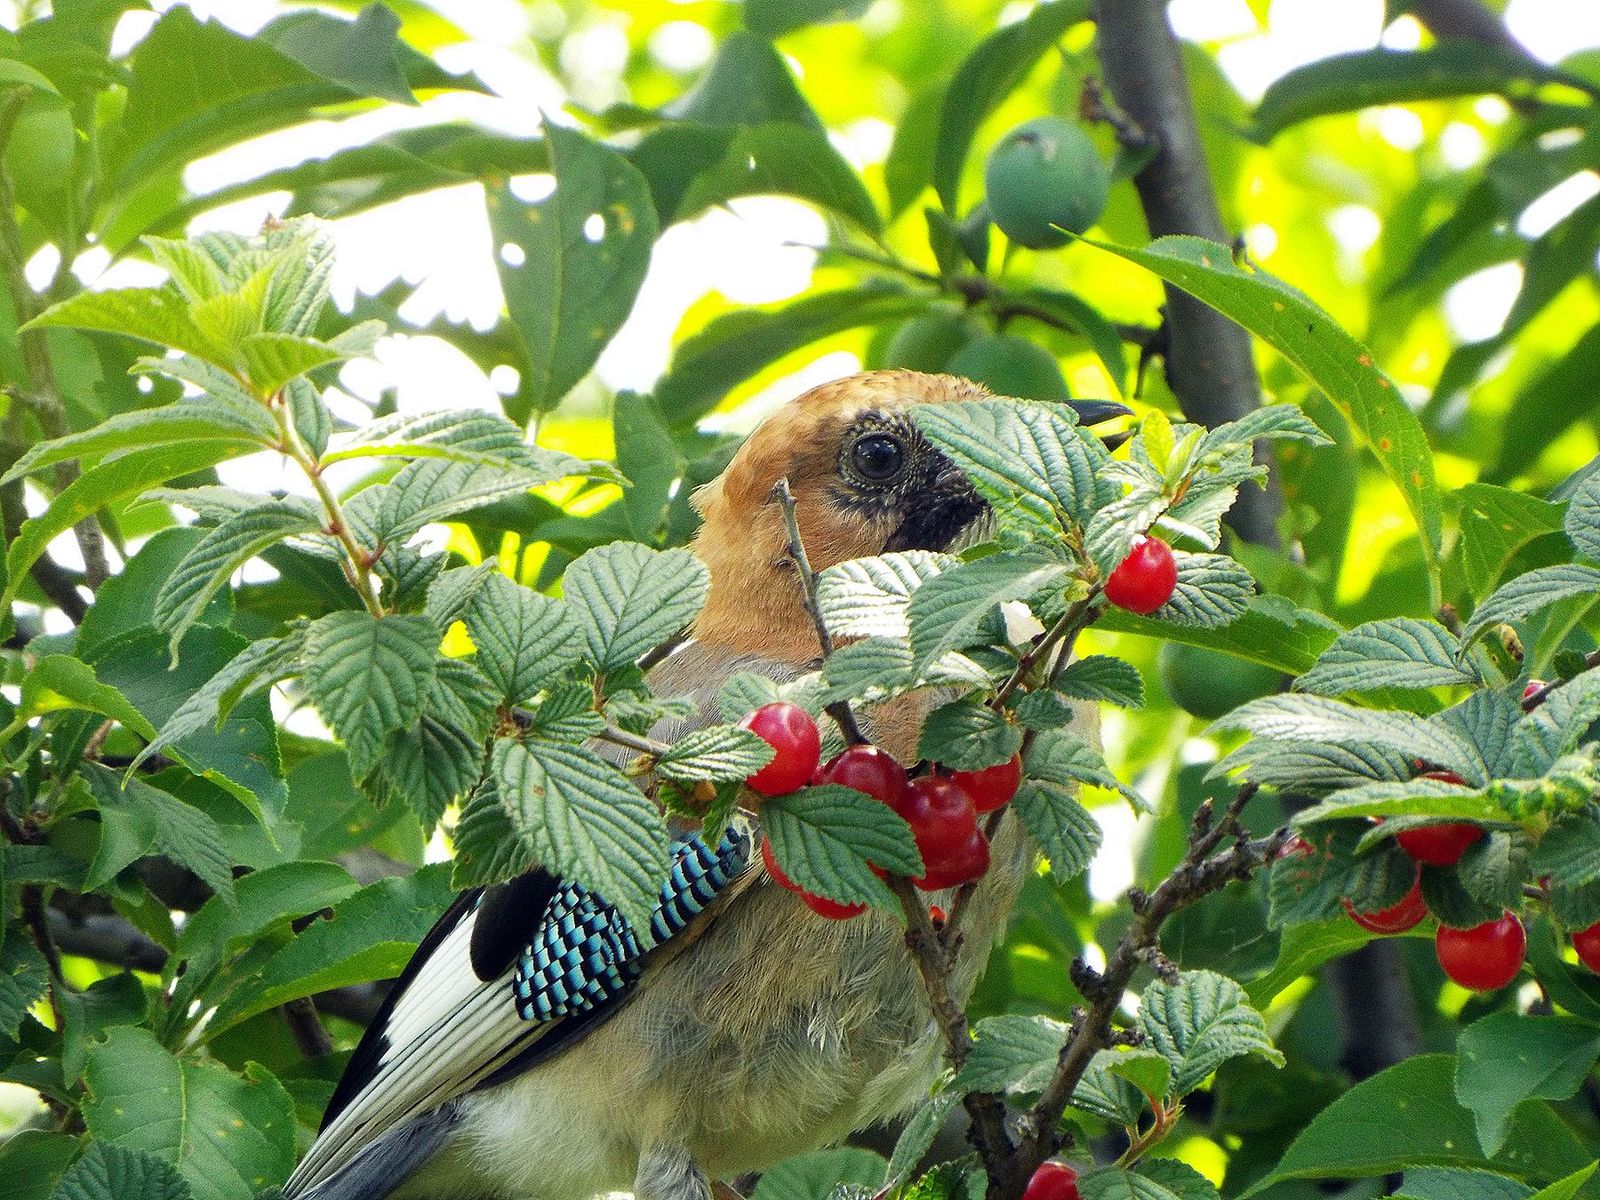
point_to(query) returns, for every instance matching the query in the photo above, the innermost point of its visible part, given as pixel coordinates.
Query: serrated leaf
(489, 849)
(1103, 677)
(24, 976)
(1558, 725)
(435, 489)
(222, 551)
(585, 822)
(1312, 718)
(1065, 831)
(1582, 520)
(1487, 720)
(630, 598)
(1031, 462)
(918, 1134)
(1199, 1023)
(566, 713)
(1530, 593)
(1152, 1179)
(1569, 851)
(1269, 420)
(227, 1135)
(1395, 652)
(825, 837)
(1406, 798)
(137, 819)
(452, 591)
(1212, 590)
(1314, 767)
(112, 1172)
(437, 761)
(1062, 757)
(820, 1174)
(460, 435)
(1109, 1095)
(868, 669)
(257, 665)
(869, 597)
(967, 735)
(1494, 868)
(946, 611)
(184, 422)
(1012, 1053)
(1311, 885)
(744, 692)
(369, 676)
(523, 638)
(718, 752)
(1506, 1058)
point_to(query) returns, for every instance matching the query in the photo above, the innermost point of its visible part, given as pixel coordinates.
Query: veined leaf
(1199, 1023)
(184, 422)
(630, 598)
(523, 637)
(869, 597)
(1103, 677)
(369, 676)
(1396, 652)
(1496, 523)
(585, 822)
(59, 681)
(111, 1172)
(1061, 757)
(1582, 522)
(1065, 831)
(825, 837)
(1212, 590)
(1530, 593)
(717, 752)
(137, 819)
(1012, 1053)
(945, 612)
(966, 735)
(437, 760)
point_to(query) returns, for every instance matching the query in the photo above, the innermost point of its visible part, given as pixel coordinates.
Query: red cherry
(992, 787)
(1587, 943)
(936, 914)
(831, 909)
(1052, 1181)
(796, 745)
(1533, 686)
(1485, 957)
(1397, 918)
(1143, 581)
(770, 861)
(869, 769)
(943, 821)
(964, 864)
(1439, 845)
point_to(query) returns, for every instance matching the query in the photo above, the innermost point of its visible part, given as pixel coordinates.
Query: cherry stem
(841, 712)
(1542, 693)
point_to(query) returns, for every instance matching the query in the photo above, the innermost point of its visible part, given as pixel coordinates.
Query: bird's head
(865, 481)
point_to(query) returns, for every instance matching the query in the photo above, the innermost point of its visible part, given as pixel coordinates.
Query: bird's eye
(877, 457)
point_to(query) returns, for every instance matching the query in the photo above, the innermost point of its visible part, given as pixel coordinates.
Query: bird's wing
(508, 976)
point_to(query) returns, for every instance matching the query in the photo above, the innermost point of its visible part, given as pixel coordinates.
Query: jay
(513, 1060)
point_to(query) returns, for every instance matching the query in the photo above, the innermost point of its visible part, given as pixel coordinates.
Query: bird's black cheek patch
(933, 522)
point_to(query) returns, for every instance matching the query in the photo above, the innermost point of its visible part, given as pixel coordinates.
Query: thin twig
(633, 741)
(1541, 693)
(843, 716)
(310, 1038)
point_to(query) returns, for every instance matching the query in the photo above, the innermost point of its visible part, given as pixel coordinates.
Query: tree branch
(1209, 360)
(1465, 20)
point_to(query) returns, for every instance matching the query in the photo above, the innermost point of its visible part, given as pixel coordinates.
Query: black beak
(1098, 412)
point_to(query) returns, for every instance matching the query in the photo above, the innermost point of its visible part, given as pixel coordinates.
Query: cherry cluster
(941, 807)
(1482, 957)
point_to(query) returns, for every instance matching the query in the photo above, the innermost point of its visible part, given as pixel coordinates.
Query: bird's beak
(1098, 412)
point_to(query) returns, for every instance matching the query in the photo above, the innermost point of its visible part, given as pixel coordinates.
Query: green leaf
(23, 979)
(187, 421)
(1315, 719)
(32, 1161)
(59, 681)
(1310, 339)
(869, 597)
(361, 55)
(991, 73)
(872, 668)
(1456, 1183)
(523, 638)
(1062, 757)
(1547, 406)
(585, 822)
(1212, 590)
(369, 676)
(946, 611)
(1314, 767)
(1199, 1023)
(630, 598)
(222, 551)
(1569, 852)
(774, 18)
(967, 735)
(584, 253)
(1065, 831)
(1303, 948)
(160, 315)
(717, 752)
(1567, 1186)
(1345, 82)
(1505, 1058)
(1312, 886)
(460, 435)
(94, 489)
(436, 489)
(1103, 677)
(737, 345)
(819, 1174)
(110, 1172)
(825, 837)
(1395, 652)
(438, 760)
(1530, 593)
(229, 1136)
(111, 1001)
(1030, 461)
(1582, 522)
(918, 1134)
(1151, 1179)
(747, 83)
(1496, 523)
(370, 935)
(452, 591)
(137, 819)
(1271, 631)
(1012, 1053)
(1406, 1117)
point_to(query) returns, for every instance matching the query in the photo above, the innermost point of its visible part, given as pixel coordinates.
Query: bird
(531, 1051)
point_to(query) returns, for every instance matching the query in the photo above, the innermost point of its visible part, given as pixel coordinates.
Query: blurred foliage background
(812, 167)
